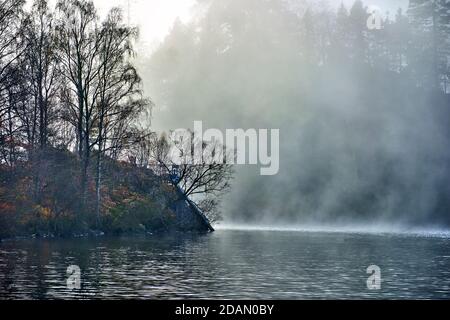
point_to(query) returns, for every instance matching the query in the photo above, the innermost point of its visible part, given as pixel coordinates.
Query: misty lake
(229, 265)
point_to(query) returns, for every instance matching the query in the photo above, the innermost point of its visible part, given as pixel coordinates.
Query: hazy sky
(154, 17)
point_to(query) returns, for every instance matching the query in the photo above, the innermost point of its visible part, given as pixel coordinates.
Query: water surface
(229, 264)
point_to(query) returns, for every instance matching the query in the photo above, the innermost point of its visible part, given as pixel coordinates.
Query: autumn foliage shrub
(44, 199)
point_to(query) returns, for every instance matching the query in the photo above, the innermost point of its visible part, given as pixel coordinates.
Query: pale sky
(384, 5)
(153, 17)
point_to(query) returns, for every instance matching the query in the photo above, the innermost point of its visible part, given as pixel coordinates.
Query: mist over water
(336, 228)
(229, 264)
(362, 141)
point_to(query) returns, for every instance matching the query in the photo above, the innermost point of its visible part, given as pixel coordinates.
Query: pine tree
(340, 42)
(430, 25)
(357, 28)
(443, 11)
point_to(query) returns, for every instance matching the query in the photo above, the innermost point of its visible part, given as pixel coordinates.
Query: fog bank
(364, 135)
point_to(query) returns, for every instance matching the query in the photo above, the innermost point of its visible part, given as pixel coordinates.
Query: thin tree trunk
(99, 171)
